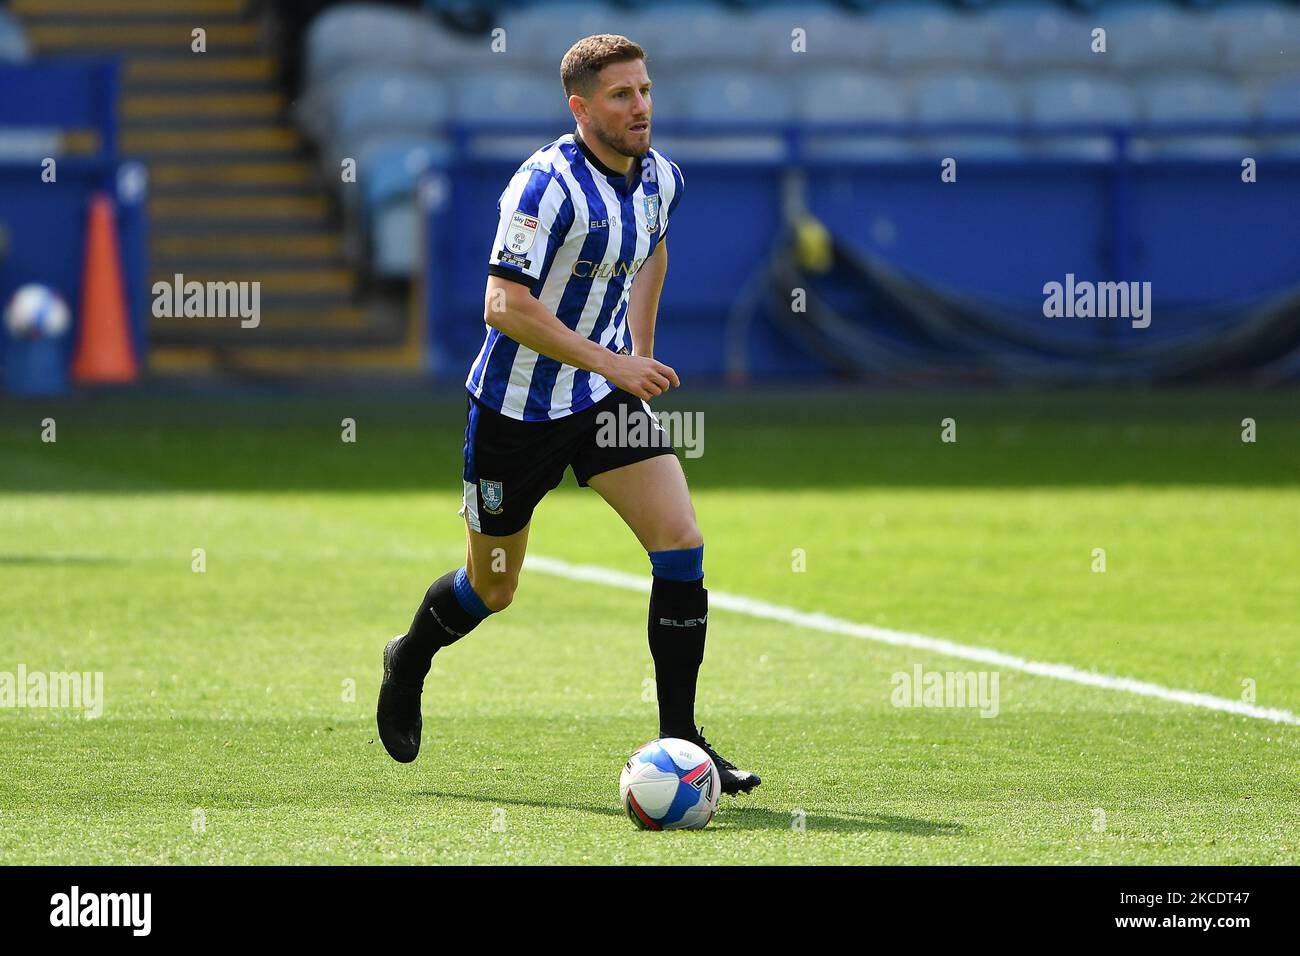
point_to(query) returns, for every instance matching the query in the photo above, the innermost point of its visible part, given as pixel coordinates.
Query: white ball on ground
(37, 312)
(670, 784)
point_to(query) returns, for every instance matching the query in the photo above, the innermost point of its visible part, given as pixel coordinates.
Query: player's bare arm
(643, 306)
(511, 307)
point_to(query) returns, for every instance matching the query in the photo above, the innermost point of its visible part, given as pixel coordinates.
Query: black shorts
(510, 464)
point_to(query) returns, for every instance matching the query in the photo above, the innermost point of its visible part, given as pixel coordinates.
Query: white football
(36, 312)
(670, 784)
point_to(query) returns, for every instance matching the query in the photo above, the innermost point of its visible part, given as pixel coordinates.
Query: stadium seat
(965, 97)
(1192, 98)
(1079, 98)
(707, 37)
(395, 240)
(966, 146)
(722, 96)
(848, 96)
(718, 98)
(1143, 37)
(831, 38)
(510, 100)
(346, 35)
(26, 144)
(1280, 103)
(390, 168)
(1259, 38)
(13, 42)
(1189, 97)
(1037, 36)
(390, 101)
(510, 97)
(541, 34)
(390, 172)
(915, 36)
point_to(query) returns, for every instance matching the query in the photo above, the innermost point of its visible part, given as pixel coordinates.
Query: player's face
(618, 111)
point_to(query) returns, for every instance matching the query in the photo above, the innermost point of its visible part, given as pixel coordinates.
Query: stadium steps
(144, 108)
(234, 195)
(284, 173)
(196, 74)
(31, 9)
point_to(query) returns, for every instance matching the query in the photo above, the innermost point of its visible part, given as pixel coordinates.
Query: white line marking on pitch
(985, 655)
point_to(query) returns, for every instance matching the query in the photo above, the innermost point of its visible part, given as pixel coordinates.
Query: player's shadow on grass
(507, 801)
(57, 559)
(733, 816)
(737, 817)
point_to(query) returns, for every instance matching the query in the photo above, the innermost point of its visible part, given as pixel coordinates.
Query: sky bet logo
(103, 909)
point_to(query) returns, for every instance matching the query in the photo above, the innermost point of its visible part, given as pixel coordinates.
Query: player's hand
(643, 377)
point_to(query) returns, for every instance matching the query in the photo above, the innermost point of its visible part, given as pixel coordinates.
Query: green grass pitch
(238, 721)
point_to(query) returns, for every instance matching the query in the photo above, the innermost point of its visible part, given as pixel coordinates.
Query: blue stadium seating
(851, 96)
(1192, 98)
(831, 39)
(1259, 37)
(730, 96)
(510, 97)
(1079, 98)
(934, 37)
(344, 35)
(1025, 64)
(1281, 101)
(1145, 38)
(390, 100)
(1033, 36)
(966, 97)
(541, 35)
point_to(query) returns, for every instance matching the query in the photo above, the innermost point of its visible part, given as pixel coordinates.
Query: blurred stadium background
(811, 135)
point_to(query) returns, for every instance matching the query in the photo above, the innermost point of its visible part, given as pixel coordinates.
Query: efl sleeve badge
(522, 233)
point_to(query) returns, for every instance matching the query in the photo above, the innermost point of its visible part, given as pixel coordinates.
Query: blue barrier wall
(44, 223)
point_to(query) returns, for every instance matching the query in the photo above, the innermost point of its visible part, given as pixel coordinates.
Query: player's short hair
(586, 58)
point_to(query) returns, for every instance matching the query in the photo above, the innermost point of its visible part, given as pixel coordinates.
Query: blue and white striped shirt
(575, 232)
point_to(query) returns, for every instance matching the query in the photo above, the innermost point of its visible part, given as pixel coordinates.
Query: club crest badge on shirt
(492, 495)
(522, 232)
(651, 204)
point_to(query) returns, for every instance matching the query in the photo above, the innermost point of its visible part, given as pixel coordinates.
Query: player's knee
(685, 538)
(498, 597)
(496, 591)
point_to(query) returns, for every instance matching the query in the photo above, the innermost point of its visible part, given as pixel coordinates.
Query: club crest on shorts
(522, 233)
(651, 204)
(491, 493)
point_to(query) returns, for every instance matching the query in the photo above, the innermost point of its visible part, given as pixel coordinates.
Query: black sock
(440, 621)
(679, 613)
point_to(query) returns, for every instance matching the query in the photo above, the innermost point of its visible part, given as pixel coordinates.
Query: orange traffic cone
(104, 351)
